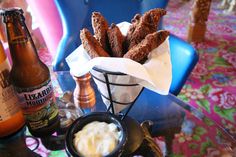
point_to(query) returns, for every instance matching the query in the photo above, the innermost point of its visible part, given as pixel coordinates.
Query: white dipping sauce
(97, 139)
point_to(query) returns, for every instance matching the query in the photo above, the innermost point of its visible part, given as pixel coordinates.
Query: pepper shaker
(84, 95)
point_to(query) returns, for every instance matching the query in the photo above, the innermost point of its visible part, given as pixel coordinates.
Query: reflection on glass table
(177, 128)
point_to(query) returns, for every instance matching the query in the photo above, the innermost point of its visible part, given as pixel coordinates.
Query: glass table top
(177, 128)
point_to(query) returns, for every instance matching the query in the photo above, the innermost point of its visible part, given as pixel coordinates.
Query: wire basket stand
(108, 83)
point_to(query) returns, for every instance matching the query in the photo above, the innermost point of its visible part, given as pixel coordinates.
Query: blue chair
(76, 15)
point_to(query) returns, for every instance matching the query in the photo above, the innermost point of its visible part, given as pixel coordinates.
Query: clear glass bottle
(30, 77)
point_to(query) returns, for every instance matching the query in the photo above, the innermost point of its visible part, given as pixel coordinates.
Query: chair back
(183, 59)
(49, 22)
(76, 14)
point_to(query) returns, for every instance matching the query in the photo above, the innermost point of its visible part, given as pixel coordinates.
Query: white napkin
(155, 74)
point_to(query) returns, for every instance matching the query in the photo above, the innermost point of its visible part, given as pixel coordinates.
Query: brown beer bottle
(30, 77)
(11, 117)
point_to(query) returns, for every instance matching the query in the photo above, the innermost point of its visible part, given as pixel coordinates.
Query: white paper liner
(155, 74)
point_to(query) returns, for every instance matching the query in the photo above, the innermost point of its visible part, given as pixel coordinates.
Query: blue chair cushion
(183, 58)
(76, 15)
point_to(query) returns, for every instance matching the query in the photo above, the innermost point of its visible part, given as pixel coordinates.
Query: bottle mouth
(9, 14)
(11, 11)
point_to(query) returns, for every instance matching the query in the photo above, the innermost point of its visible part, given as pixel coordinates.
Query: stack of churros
(141, 39)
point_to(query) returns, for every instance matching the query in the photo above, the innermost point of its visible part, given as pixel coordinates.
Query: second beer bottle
(30, 77)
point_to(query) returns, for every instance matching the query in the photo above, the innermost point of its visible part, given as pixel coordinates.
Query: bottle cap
(14, 12)
(11, 11)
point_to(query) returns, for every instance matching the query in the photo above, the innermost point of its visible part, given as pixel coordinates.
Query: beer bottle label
(8, 100)
(38, 105)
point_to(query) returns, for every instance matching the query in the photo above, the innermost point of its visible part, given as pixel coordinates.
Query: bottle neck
(2, 53)
(21, 45)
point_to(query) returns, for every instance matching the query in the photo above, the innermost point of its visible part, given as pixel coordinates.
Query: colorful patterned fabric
(211, 88)
(212, 85)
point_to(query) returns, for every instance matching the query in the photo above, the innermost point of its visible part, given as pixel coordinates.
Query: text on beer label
(35, 96)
